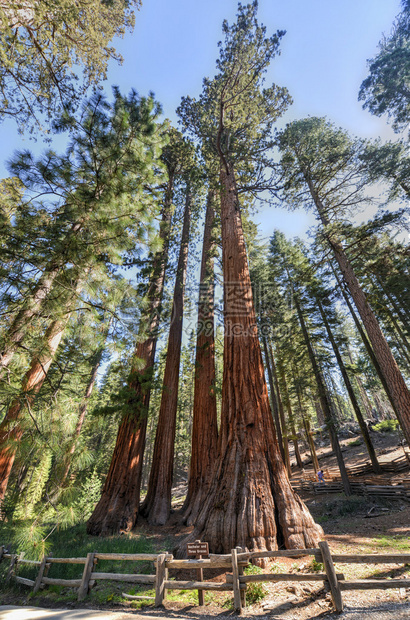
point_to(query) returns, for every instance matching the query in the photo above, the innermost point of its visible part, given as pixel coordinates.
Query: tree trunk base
(117, 510)
(258, 510)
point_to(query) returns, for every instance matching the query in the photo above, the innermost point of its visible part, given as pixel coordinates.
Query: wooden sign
(197, 548)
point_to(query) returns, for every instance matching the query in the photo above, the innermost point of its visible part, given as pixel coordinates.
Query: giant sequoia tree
(157, 504)
(250, 501)
(204, 446)
(118, 506)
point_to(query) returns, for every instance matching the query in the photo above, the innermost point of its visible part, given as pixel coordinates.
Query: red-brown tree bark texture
(156, 506)
(250, 502)
(10, 429)
(204, 444)
(117, 509)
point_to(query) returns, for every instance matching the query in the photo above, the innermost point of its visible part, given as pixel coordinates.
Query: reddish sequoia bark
(205, 426)
(364, 337)
(156, 506)
(117, 509)
(250, 502)
(398, 390)
(10, 429)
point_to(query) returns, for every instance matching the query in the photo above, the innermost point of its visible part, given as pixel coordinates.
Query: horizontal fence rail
(235, 580)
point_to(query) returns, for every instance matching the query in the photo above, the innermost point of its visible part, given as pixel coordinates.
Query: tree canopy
(386, 90)
(52, 51)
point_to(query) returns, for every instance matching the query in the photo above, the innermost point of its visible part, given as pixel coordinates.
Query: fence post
(166, 574)
(160, 580)
(331, 575)
(12, 567)
(240, 572)
(237, 603)
(88, 568)
(40, 574)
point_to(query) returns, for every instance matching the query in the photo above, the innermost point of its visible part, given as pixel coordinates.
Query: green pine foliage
(52, 51)
(32, 491)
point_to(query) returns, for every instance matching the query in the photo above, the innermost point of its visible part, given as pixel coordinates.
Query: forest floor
(352, 525)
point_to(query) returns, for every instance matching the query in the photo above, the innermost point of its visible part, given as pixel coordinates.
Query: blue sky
(323, 62)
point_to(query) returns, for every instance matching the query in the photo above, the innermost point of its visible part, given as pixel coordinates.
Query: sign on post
(198, 549)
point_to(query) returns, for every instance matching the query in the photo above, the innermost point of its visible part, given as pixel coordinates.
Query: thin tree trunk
(281, 414)
(204, 447)
(362, 392)
(324, 402)
(384, 412)
(17, 331)
(309, 437)
(291, 416)
(401, 340)
(397, 386)
(117, 509)
(156, 506)
(341, 411)
(32, 305)
(82, 410)
(365, 339)
(11, 430)
(396, 304)
(362, 424)
(306, 423)
(250, 502)
(275, 408)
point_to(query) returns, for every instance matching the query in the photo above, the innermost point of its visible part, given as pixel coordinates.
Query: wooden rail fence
(235, 581)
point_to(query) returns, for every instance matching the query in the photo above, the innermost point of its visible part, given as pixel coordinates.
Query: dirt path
(377, 612)
(11, 612)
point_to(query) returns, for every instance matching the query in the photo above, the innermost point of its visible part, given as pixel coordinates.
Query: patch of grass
(386, 426)
(340, 506)
(75, 542)
(400, 543)
(189, 597)
(355, 442)
(228, 603)
(255, 591)
(317, 567)
(322, 518)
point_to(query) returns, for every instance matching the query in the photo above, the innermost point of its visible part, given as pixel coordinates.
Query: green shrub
(255, 591)
(89, 496)
(386, 426)
(317, 567)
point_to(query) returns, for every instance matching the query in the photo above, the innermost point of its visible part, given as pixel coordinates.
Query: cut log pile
(369, 484)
